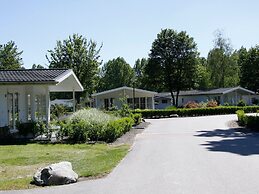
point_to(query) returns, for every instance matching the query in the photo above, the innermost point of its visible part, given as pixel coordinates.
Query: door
(13, 109)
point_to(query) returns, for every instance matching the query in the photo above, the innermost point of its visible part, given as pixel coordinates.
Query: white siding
(22, 91)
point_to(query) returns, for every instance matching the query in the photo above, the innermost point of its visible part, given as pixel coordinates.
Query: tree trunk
(172, 94)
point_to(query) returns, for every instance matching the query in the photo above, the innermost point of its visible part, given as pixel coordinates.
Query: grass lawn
(18, 163)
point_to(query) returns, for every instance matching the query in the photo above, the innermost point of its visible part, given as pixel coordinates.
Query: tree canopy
(249, 63)
(115, 73)
(79, 54)
(173, 60)
(10, 57)
(140, 74)
(38, 66)
(222, 63)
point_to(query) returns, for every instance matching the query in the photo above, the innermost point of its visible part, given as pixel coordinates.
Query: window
(40, 107)
(29, 107)
(136, 103)
(13, 109)
(111, 102)
(164, 101)
(142, 103)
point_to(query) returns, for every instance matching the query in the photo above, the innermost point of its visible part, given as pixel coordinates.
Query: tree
(116, 73)
(202, 80)
(222, 63)
(39, 66)
(80, 55)
(140, 76)
(249, 63)
(172, 63)
(10, 57)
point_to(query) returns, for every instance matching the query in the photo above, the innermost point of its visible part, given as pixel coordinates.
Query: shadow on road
(233, 140)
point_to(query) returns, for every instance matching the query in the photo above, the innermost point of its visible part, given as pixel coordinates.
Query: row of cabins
(143, 99)
(25, 95)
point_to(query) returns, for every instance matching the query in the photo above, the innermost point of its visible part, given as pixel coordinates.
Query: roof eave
(29, 83)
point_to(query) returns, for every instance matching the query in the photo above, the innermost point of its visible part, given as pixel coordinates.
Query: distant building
(135, 98)
(222, 95)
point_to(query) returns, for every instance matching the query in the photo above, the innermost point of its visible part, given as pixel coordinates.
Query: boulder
(55, 174)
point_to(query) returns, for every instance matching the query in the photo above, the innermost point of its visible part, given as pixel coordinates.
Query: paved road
(181, 156)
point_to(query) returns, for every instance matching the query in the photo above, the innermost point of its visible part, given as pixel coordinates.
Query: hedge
(190, 112)
(249, 121)
(83, 131)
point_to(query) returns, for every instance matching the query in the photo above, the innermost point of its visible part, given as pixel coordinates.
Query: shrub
(125, 110)
(249, 121)
(116, 129)
(252, 122)
(191, 104)
(241, 117)
(34, 128)
(94, 125)
(241, 103)
(137, 118)
(212, 103)
(4, 132)
(77, 131)
(56, 111)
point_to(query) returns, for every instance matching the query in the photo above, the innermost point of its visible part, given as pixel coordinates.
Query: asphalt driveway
(180, 155)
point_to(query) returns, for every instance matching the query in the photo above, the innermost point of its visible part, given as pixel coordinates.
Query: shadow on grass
(25, 141)
(14, 141)
(234, 140)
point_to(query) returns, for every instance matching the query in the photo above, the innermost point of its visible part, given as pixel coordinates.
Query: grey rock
(56, 174)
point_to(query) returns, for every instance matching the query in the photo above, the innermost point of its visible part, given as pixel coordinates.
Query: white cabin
(24, 94)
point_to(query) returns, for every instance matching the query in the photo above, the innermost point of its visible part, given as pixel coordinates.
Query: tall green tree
(10, 57)
(202, 80)
(140, 75)
(79, 54)
(222, 63)
(249, 63)
(173, 60)
(116, 73)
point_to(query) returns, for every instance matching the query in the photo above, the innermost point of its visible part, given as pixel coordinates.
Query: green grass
(18, 163)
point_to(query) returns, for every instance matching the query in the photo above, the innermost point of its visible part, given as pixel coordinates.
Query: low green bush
(137, 118)
(57, 111)
(189, 112)
(241, 117)
(94, 125)
(115, 129)
(249, 121)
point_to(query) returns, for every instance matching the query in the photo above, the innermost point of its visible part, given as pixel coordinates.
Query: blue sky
(126, 28)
